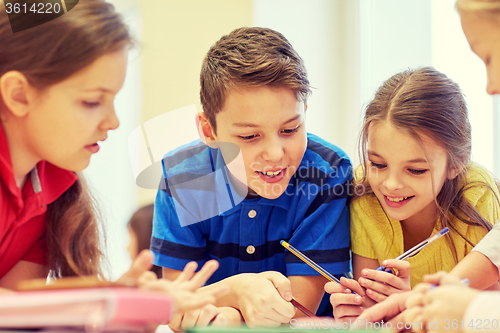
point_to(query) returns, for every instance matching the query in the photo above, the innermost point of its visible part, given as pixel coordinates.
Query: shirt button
(250, 249)
(252, 214)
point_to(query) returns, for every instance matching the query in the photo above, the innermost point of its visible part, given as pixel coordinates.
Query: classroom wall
(175, 37)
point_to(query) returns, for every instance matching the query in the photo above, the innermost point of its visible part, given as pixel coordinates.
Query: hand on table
(263, 298)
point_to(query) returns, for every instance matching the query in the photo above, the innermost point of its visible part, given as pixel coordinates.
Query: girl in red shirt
(58, 81)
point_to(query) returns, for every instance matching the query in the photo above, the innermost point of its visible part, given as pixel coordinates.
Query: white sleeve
(490, 245)
(483, 313)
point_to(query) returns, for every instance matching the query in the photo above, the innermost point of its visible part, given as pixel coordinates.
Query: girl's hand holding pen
(346, 305)
(379, 284)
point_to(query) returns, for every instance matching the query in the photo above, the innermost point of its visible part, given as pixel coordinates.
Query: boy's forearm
(308, 290)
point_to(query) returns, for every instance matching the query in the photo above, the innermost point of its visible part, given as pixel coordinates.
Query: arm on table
(23, 270)
(476, 267)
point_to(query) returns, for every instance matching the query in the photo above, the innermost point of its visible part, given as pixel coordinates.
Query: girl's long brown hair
(425, 101)
(48, 54)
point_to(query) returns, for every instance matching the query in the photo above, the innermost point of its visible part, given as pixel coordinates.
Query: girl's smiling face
(405, 175)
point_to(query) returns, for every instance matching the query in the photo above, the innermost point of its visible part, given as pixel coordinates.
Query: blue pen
(414, 250)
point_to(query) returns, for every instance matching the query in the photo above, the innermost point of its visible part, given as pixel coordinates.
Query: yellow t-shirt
(375, 235)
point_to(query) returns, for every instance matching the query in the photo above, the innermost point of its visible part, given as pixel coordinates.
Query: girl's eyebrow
(416, 160)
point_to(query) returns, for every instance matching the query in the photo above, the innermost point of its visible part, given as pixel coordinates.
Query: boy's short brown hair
(250, 56)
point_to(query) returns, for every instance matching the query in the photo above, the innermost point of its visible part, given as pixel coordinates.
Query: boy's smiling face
(268, 124)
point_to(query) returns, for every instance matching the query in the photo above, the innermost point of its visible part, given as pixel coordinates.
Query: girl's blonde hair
(45, 55)
(426, 102)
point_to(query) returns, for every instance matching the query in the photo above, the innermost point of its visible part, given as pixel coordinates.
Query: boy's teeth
(270, 173)
(397, 199)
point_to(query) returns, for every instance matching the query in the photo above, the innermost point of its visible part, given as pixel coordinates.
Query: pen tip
(445, 230)
(281, 242)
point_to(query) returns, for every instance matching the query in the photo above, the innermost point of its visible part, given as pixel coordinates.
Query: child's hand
(346, 305)
(379, 285)
(142, 263)
(446, 303)
(264, 298)
(184, 289)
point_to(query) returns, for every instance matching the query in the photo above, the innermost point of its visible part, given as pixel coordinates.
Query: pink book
(92, 309)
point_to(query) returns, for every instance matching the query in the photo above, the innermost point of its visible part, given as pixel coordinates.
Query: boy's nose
(273, 151)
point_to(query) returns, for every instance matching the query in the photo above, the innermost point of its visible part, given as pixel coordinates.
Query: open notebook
(88, 309)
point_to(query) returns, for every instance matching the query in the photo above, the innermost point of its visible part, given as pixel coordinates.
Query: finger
(382, 282)
(345, 299)
(345, 311)
(187, 273)
(220, 321)
(207, 314)
(200, 278)
(403, 267)
(353, 285)
(376, 296)
(190, 319)
(142, 263)
(282, 284)
(376, 286)
(335, 287)
(146, 277)
(175, 321)
(394, 305)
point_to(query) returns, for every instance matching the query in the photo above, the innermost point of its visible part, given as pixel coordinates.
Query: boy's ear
(205, 130)
(14, 89)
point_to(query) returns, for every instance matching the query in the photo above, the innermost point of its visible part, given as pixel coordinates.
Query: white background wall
(349, 47)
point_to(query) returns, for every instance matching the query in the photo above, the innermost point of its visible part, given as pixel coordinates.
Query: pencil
(417, 248)
(311, 263)
(302, 308)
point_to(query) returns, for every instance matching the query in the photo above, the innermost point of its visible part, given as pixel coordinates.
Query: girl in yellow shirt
(416, 178)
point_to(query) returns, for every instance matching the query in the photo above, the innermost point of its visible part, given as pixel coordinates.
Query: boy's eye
(377, 165)
(91, 104)
(290, 131)
(417, 171)
(248, 137)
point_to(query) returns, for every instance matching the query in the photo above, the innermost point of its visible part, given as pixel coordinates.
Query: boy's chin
(269, 192)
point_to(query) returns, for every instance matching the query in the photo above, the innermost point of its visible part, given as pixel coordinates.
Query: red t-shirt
(22, 212)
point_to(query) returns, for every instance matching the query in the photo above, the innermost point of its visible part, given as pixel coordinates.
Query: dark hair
(426, 102)
(141, 223)
(250, 57)
(45, 55)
